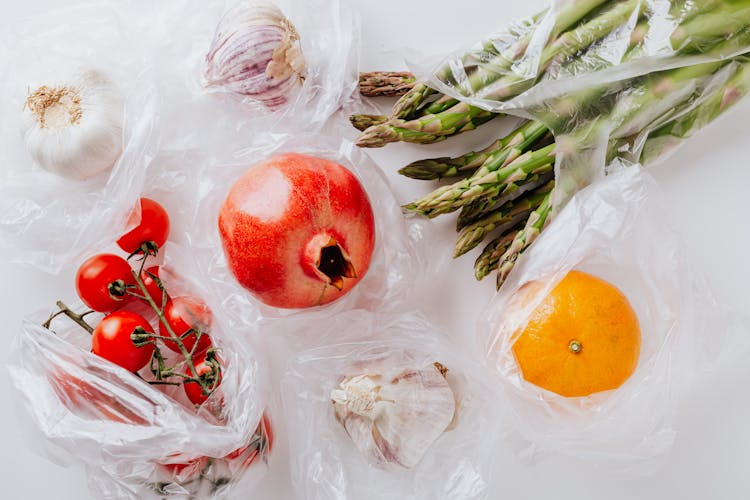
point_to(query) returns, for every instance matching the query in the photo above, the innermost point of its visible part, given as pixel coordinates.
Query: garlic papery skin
(73, 127)
(256, 52)
(395, 415)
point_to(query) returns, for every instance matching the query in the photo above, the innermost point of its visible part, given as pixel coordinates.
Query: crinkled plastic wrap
(615, 230)
(615, 80)
(326, 461)
(328, 34)
(139, 440)
(47, 220)
(393, 269)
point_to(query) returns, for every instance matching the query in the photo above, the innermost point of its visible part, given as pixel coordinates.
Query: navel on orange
(582, 338)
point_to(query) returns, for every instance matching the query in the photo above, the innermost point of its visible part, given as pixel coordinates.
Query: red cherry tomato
(184, 472)
(111, 340)
(101, 278)
(153, 227)
(250, 453)
(193, 390)
(187, 314)
(151, 286)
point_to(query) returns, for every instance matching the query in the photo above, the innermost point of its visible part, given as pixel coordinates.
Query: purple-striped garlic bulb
(256, 52)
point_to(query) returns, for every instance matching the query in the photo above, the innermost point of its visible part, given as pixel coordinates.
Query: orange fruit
(582, 338)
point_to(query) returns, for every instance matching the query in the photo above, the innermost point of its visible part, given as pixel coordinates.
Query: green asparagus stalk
(385, 83)
(510, 212)
(426, 130)
(489, 259)
(439, 168)
(567, 17)
(523, 239)
(497, 182)
(363, 122)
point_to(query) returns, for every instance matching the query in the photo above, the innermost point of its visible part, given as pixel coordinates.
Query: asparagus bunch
(425, 116)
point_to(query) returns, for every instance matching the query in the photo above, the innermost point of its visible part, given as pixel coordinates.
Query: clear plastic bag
(47, 220)
(395, 265)
(615, 81)
(328, 464)
(139, 440)
(610, 230)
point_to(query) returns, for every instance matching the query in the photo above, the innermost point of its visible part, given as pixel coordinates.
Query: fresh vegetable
(385, 83)
(207, 370)
(256, 52)
(583, 337)
(260, 445)
(504, 192)
(152, 230)
(189, 317)
(102, 282)
(297, 231)
(393, 415)
(73, 126)
(112, 340)
(152, 280)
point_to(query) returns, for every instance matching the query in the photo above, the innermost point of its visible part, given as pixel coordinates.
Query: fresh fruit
(260, 444)
(152, 230)
(112, 340)
(297, 231)
(149, 277)
(186, 316)
(582, 338)
(206, 372)
(101, 282)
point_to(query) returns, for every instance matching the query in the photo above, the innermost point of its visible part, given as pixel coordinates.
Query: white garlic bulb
(73, 127)
(256, 52)
(393, 415)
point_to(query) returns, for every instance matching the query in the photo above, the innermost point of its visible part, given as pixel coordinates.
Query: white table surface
(705, 183)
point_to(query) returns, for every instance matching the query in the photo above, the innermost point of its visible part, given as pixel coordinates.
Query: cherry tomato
(111, 340)
(187, 471)
(250, 453)
(193, 390)
(151, 286)
(87, 401)
(153, 227)
(186, 315)
(101, 278)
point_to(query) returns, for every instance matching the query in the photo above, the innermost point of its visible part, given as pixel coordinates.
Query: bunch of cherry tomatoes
(107, 283)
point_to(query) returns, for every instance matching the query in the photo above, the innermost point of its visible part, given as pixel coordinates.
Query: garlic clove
(73, 127)
(395, 416)
(256, 52)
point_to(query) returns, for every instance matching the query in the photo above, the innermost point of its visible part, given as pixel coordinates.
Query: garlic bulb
(394, 415)
(73, 128)
(256, 52)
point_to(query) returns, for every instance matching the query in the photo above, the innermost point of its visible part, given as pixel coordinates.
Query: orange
(582, 338)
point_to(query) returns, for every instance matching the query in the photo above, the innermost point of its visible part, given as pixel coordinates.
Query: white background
(705, 182)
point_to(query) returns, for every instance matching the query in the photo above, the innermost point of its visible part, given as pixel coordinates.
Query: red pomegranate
(298, 231)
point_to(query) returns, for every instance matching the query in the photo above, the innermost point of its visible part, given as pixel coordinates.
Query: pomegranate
(298, 231)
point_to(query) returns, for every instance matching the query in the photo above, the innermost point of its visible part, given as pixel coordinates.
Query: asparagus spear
(385, 83)
(438, 168)
(523, 239)
(428, 129)
(363, 122)
(492, 183)
(568, 15)
(506, 215)
(489, 259)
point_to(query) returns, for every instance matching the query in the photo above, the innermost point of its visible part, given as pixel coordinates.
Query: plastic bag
(47, 220)
(139, 440)
(609, 230)
(394, 267)
(328, 32)
(615, 81)
(328, 464)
